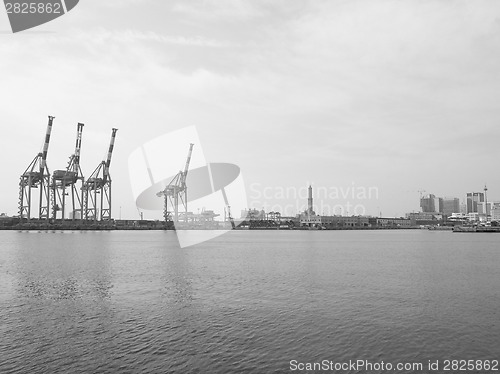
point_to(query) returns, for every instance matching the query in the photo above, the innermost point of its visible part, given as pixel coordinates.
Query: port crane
(68, 178)
(97, 189)
(176, 192)
(36, 175)
(228, 208)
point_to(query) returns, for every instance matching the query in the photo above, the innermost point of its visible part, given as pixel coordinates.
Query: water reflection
(61, 266)
(177, 277)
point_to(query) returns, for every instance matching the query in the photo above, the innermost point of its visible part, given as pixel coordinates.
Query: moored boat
(476, 229)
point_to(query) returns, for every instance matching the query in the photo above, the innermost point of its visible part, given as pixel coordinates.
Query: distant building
(481, 208)
(6, 221)
(431, 204)
(421, 218)
(487, 207)
(308, 220)
(332, 222)
(427, 203)
(473, 217)
(450, 205)
(473, 198)
(457, 217)
(253, 214)
(393, 222)
(495, 211)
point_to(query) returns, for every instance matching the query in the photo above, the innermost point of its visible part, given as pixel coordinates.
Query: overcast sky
(398, 95)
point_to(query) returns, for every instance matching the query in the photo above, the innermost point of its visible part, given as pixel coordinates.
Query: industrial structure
(68, 179)
(36, 175)
(89, 200)
(227, 209)
(176, 192)
(97, 189)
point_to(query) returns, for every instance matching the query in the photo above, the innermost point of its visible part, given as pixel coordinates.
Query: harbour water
(246, 302)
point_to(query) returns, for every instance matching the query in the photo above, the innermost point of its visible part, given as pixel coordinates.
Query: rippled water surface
(246, 302)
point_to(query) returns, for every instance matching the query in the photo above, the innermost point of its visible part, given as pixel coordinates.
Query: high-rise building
(485, 207)
(427, 204)
(495, 211)
(431, 204)
(450, 205)
(473, 198)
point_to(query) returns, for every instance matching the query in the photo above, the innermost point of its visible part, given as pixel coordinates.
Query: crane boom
(43, 163)
(78, 147)
(110, 152)
(188, 160)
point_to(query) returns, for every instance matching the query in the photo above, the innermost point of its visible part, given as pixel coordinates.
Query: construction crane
(175, 192)
(36, 175)
(228, 207)
(421, 192)
(68, 178)
(97, 189)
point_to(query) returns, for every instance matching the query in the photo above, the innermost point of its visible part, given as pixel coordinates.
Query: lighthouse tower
(309, 217)
(310, 201)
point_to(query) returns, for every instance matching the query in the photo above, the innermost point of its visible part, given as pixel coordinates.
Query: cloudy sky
(397, 95)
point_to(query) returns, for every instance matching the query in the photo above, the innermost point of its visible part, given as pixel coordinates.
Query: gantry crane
(68, 178)
(228, 207)
(97, 189)
(36, 175)
(175, 192)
